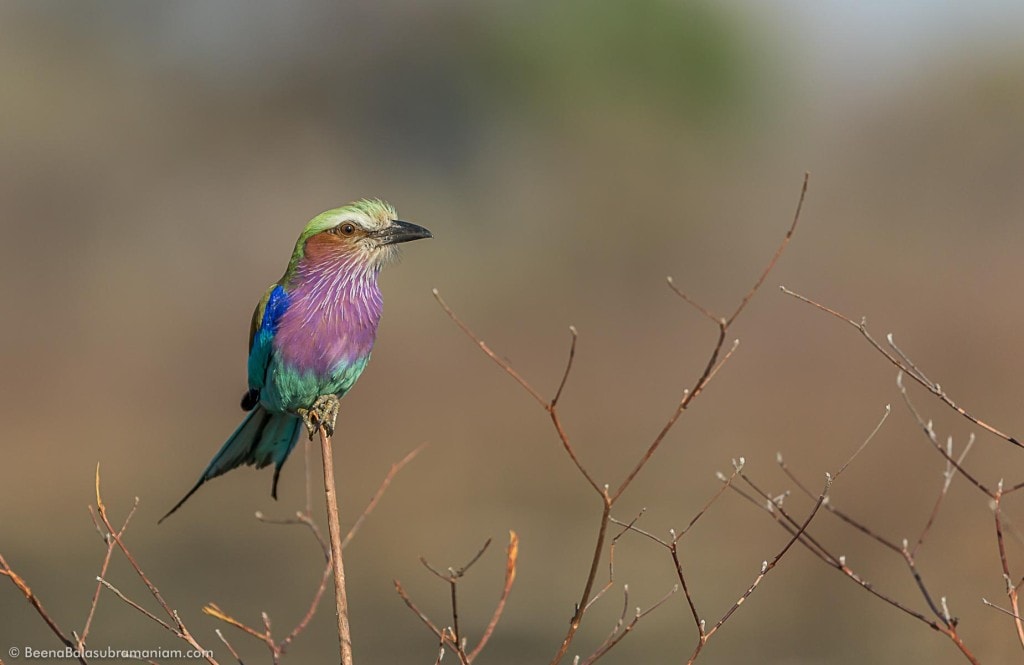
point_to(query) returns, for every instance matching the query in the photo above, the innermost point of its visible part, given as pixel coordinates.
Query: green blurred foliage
(689, 60)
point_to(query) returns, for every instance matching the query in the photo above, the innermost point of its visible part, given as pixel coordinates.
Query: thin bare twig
(888, 410)
(26, 591)
(551, 407)
(417, 611)
(228, 645)
(832, 508)
(703, 633)
(929, 431)
(453, 636)
(213, 610)
(945, 623)
(395, 468)
(111, 544)
(621, 629)
(139, 608)
(626, 526)
(712, 365)
(900, 361)
(180, 629)
(512, 556)
(502, 363)
(1011, 589)
(903, 550)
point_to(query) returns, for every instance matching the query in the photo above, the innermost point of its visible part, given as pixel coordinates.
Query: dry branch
(608, 497)
(943, 622)
(305, 519)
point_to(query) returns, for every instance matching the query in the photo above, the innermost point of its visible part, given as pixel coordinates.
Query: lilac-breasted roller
(312, 334)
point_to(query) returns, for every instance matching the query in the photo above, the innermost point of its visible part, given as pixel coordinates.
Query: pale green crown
(370, 214)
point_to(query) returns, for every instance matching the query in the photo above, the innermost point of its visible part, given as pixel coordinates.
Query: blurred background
(157, 161)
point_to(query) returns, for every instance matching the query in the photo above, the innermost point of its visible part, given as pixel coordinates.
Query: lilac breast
(331, 320)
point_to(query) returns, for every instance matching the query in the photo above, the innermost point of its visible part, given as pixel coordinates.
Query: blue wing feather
(261, 339)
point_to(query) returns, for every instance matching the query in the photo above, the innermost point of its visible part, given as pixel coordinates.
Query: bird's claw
(324, 412)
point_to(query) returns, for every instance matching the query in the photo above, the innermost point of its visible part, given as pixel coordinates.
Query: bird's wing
(265, 319)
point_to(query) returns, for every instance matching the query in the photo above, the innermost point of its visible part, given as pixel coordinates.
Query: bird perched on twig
(311, 334)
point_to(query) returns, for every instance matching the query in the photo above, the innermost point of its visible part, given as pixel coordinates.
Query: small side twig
(943, 622)
(1012, 590)
(179, 629)
(453, 637)
(30, 596)
(228, 645)
(900, 360)
(111, 544)
(512, 556)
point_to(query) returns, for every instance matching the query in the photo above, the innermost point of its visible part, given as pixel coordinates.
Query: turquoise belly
(288, 389)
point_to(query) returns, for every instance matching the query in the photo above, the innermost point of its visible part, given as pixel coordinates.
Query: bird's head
(366, 231)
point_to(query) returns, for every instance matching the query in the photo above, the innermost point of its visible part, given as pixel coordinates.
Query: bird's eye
(345, 229)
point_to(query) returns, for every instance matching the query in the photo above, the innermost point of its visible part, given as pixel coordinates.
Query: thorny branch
(608, 497)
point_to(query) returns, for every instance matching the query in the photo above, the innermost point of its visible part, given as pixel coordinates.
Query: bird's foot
(324, 412)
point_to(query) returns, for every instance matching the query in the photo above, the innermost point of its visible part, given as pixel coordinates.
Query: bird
(311, 334)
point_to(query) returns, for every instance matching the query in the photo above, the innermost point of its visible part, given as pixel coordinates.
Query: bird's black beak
(400, 231)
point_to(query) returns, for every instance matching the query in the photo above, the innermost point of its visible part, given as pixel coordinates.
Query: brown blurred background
(157, 161)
